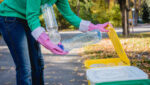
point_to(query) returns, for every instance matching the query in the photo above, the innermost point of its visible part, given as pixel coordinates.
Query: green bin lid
(129, 82)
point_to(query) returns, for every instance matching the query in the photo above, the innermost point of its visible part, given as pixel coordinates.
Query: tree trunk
(136, 13)
(78, 7)
(125, 16)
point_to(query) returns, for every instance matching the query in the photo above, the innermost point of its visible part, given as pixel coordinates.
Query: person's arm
(38, 32)
(33, 13)
(64, 8)
(83, 25)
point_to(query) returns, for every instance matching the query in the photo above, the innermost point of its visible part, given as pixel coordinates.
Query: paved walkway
(59, 70)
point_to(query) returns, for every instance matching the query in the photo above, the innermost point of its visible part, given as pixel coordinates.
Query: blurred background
(121, 13)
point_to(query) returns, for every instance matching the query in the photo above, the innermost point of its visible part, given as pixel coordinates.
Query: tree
(146, 12)
(124, 6)
(137, 7)
(78, 7)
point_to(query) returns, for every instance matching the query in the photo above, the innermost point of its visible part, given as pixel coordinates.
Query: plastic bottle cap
(61, 46)
(99, 34)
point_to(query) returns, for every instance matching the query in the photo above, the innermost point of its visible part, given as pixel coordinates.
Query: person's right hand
(100, 27)
(86, 26)
(44, 40)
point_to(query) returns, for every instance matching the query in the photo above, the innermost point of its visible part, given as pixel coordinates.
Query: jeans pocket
(10, 23)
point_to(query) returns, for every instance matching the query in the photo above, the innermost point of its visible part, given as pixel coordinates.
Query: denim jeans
(25, 51)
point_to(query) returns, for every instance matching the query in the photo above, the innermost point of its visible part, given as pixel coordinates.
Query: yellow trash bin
(121, 61)
(110, 62)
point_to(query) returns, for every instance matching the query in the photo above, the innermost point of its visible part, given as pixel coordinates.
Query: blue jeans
(24, 49)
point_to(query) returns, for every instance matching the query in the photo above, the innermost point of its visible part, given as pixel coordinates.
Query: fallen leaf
(47, 77)
(76, 69)
(72, 80)
(80, 74)
(46, 83)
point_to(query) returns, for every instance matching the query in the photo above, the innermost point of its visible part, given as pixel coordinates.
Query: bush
(112, 15)
(115, 16)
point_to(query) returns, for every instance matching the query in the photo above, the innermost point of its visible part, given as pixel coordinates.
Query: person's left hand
(44, 40)
(100, 27)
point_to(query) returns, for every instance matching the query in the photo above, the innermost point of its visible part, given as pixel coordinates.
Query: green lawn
(137, 48)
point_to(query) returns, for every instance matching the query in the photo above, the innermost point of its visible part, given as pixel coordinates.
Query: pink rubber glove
(44, 40)
(100, 27)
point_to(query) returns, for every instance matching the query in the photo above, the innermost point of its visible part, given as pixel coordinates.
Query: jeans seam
(40, 60)
(15, 53)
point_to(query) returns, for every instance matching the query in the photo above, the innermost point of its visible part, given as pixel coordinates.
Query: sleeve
(64, 8)
(33, 13)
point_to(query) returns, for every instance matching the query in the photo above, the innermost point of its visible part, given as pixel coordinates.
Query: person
(22, 31)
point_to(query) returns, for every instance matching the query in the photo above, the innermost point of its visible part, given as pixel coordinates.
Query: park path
(59, 70)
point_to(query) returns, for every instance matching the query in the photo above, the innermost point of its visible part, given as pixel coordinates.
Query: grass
(137, 48)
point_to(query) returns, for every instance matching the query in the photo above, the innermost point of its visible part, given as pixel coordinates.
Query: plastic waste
(51, 23)
(54, 36)
(49, 17)
(81, 40)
